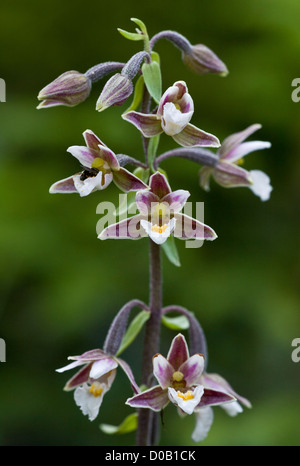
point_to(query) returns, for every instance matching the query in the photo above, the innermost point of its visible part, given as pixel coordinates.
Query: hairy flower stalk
(72, 87)
(97, 72)
(198, 155)
(199, 58)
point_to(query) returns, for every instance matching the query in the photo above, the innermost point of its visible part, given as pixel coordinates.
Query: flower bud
(202, 60)
(115, 92)
(70, 89)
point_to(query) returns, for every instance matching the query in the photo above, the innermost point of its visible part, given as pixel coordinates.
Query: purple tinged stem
(146, 421)
(133, 65)
(118, 326)
(197, 155)
(177, 39)
(145, 108)
(97, 72)
(124, 159)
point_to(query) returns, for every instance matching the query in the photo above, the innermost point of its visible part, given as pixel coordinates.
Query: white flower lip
(87, 402)
(186, 401)
(173, 119)
(91, 184)
(159, 234)
(261, 186)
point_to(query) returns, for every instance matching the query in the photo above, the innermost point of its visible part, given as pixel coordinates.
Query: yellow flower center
(186, 396)
(178, 381)
(160, 230)
(240, 162)
(96, 389)
(98, 163)
(177, 376)
(178, 106)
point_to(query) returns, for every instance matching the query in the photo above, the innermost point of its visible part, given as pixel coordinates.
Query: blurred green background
(60, 286)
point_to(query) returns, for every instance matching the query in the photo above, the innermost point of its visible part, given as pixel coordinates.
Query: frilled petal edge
(204, 420)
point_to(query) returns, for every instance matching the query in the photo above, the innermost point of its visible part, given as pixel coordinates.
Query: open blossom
(100, 168)
(179, 382)
(228, 173)
(94, 379)
(160, 216)
(173, 117)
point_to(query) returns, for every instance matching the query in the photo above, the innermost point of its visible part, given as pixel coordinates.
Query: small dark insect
(88, 173)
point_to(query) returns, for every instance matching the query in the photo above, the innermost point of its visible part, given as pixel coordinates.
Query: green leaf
(155, 57)
(152, 149)
(128, 425)
(176, 323)
(133, 330)
(138, 94)
(141, 25)
(170, 249)
(152, 77)
(131, 35)
(142, 174)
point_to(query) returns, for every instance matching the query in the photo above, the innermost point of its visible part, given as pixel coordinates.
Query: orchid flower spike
(173, 117)
(160, 216)
(100, 168)
(227, 171)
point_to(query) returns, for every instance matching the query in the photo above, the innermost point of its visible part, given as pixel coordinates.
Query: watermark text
(2, 350)
(2, 90)
(296, 351)
(296, 92)
(131, 221)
